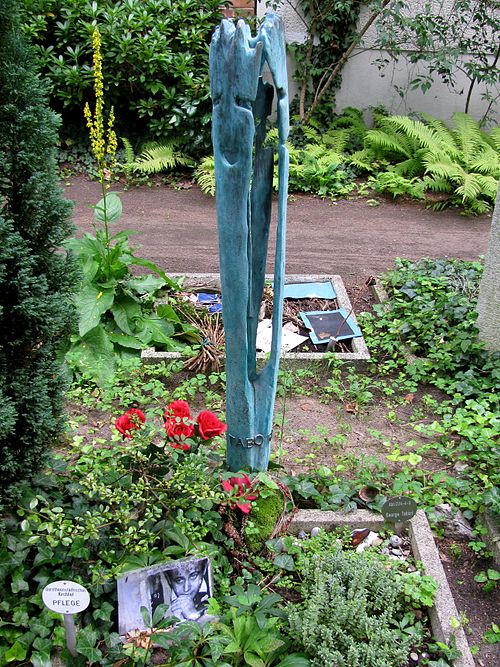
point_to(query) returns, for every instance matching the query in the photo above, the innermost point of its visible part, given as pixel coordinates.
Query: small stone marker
(399, 509)
(67, 598)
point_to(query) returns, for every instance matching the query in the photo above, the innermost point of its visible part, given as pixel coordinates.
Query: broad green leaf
(108, 208)
(173, 284)
(157, 331)
(285, 561)
(15, 652)
(125, 310)
(253, 660)
(166, 312)
(92, 303)
(94, 355)
(86, 640)
(147, 284)
(126, 341)
(294, 660)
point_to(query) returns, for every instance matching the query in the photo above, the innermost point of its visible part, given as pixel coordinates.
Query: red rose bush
(182, 431)
(129, 421)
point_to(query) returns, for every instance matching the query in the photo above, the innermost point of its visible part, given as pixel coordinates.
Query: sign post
(67, 598)
(398, 510)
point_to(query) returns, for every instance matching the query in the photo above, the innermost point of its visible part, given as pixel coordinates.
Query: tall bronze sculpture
(244, 176)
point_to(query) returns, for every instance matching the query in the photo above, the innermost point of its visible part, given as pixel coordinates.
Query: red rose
(179, 445)
(129, 421)
(242, 492)
(177, 409)
(179, 428)
(209, 425)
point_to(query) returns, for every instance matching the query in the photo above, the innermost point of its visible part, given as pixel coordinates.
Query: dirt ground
(177, 230)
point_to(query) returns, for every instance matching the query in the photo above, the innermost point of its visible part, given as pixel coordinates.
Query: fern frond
(386, 142)
(470, 188)
(336, 139)
(443, 167)
(160, 157)
(488, 162)
(362, 160)
(311, 134)
(272, 137)
(435, 184)
(425, 136)
(467, 135)
(313, 151)
(411, 167)
(331, 157)
(129, 151)
(205, 175)
(489, 186)
(495, 137)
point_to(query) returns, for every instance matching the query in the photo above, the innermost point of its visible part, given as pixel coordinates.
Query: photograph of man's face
(184, 586)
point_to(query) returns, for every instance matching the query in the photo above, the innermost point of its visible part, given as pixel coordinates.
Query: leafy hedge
(155, 61)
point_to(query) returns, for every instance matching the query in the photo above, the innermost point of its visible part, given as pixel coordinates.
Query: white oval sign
(65, 597)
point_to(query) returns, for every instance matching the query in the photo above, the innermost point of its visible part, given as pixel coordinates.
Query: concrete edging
(424, 550)
(358, 357)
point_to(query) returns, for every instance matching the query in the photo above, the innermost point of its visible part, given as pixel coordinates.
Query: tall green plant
(116, 309)
(36, 278)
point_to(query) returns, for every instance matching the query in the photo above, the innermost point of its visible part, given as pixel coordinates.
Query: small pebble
(395, 541)
(315, 531)
(425, 655)
(414, 657)
(302, 535)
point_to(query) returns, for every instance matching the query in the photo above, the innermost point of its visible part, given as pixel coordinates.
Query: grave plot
(318, 317)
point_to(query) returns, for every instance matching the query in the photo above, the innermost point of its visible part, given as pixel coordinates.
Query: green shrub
(155, 58)
(36, 279)
(351, 612)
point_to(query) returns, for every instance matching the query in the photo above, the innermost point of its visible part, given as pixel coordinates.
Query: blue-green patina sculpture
(244, 176)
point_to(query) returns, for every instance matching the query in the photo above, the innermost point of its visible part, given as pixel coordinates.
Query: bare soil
(177, 229)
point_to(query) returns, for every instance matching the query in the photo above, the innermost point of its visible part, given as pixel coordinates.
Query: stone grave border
(424, 550)
(358, 357)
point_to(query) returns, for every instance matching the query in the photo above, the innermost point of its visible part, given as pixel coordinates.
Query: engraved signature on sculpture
(256, 441)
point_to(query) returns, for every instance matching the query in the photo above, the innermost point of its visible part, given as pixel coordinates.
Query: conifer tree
(36, 277)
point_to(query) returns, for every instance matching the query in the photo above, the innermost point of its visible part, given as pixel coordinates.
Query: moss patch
(264, 515)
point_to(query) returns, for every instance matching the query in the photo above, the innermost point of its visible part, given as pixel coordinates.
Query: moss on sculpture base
(266, 511)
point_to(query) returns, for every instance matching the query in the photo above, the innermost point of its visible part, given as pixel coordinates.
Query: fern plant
(155, 158)
(462, 161)
(205, 175)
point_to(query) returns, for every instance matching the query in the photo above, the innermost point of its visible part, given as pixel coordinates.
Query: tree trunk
(488, 304)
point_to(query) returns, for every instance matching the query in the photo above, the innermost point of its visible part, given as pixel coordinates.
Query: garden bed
(424, 550)
(357, 355)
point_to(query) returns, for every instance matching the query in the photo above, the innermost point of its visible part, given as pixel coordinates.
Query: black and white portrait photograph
(184, 585)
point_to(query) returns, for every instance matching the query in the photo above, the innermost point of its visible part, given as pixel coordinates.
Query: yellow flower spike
(104, 147)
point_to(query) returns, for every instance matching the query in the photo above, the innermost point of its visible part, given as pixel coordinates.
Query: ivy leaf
(86, 640)
(92, 303)
(15, 652)
(285, 562)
